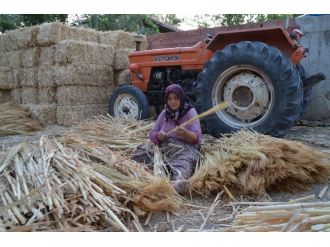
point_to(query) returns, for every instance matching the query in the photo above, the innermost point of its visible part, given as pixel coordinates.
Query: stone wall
(317, 38)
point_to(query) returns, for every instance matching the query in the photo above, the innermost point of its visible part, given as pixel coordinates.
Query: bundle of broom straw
(116, 134)
(15, 120)
(248, 163)
(285, 217)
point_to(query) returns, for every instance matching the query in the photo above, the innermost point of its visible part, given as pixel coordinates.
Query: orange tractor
(256, 70)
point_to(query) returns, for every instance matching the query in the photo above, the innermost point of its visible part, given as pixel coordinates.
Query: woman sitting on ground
(180, 148)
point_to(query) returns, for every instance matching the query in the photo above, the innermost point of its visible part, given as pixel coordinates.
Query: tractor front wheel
(128, 101)
(262, 86)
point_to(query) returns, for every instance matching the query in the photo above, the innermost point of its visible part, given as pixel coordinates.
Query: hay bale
(29, 95)
(83, 34)
(5, 95)
(4, 42)
(45, 76)
(83, 74)
(52, 33)
(27, 77)
(121, 59)
(80, 95)
(6, 81)
(3, 59)
(70, 51)
(46, 95)
(69, 115)
(45, 114)
(15, 59)
(12, 59)
(46, 56)
(16, 77)
(123, 77)
(49, 34)
(16, 95)
(22, 38)
(118, 39)
(30, 58)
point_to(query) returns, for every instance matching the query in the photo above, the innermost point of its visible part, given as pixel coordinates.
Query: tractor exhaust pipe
(311, 81)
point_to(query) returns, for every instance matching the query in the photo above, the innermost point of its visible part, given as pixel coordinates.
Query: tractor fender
(274, 36)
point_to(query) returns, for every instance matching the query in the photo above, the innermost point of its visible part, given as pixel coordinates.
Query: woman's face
(173, 101)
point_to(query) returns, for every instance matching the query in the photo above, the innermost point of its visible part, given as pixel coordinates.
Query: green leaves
(10, 22)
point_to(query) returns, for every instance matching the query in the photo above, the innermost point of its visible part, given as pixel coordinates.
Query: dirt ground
(198, 215)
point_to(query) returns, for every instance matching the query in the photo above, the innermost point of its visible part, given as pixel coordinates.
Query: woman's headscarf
(184, 105)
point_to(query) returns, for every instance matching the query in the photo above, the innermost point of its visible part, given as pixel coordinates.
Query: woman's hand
(161, 136)
(187, 135)
(181, 132)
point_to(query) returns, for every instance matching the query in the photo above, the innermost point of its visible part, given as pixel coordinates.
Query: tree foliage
(31, 20)
(171, 19)
(236, 19)
(9, 22)
(140, 23)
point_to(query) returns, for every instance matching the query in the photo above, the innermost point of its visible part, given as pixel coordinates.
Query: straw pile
(14, 120)
(83, 181)
(53, 188)
(111, 142)
(285, 217)
(250, 164)
(36, 62)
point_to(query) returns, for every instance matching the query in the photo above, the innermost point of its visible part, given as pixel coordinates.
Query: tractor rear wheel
(128, 101)
(260, 83)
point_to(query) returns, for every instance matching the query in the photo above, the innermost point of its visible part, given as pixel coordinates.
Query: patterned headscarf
(184, 105)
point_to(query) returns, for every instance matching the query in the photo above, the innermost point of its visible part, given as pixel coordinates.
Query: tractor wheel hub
(126, 106)
(247, 94)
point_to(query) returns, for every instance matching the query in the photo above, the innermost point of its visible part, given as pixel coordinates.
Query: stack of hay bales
(123, 44)
(62, 74)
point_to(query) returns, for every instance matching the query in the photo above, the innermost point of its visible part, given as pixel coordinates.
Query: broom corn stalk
(212, 110)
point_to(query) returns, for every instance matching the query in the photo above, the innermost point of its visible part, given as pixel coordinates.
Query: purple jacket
(165, 126)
